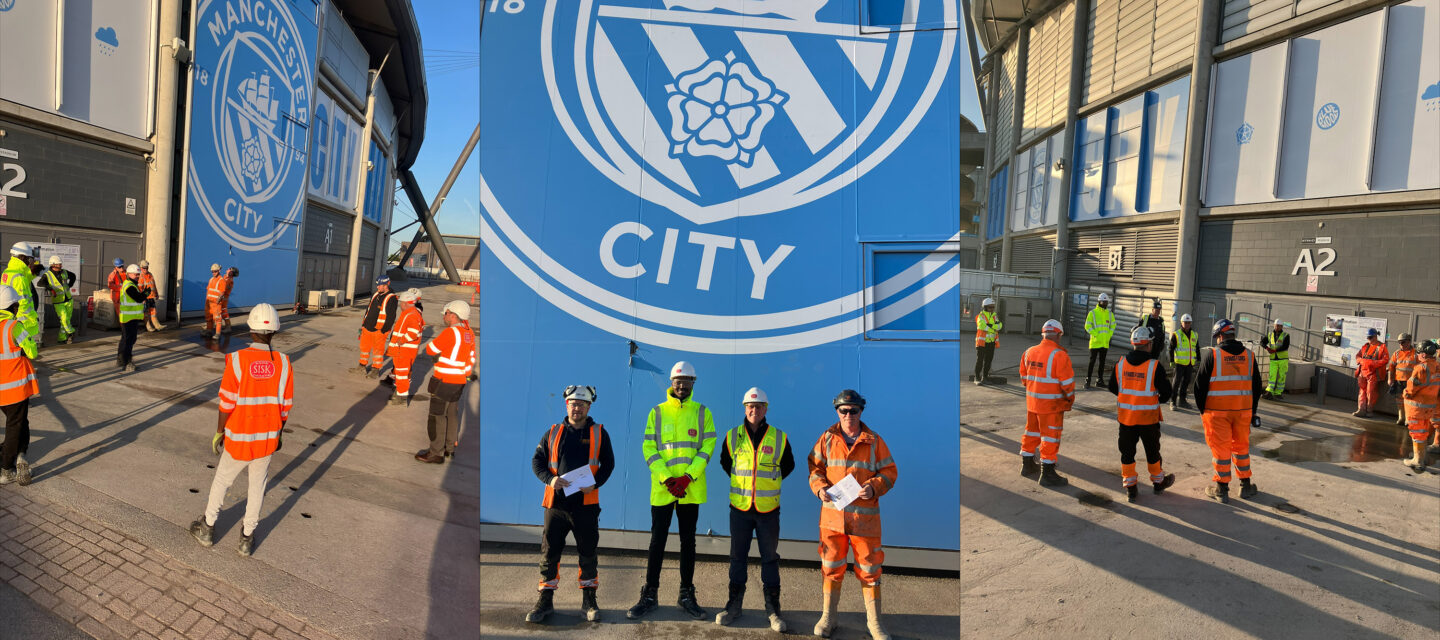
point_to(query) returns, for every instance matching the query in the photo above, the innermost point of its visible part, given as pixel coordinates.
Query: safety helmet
(754, 396)
(460, 308)
(144, 264)
(1156, 305)
(850, 397)
(24, 249)
(1104, 298)
(988, 302)
(8, 297)
(1427, 347)
(1278, 322)
(1222, 326)
(1186, 318)
(234, 272)
(579, 392)
(132, 270)
(415, 292)
(263, 319)
(682, 369)
(1372, 333)
(55, 259)
(407, 296)
(1141, 335)
(213, 267)
(1052, 326)
(120, 264)
(1405, 337)
(383, 280)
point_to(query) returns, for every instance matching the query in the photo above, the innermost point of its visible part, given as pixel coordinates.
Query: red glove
(681, 484)
(670, 486)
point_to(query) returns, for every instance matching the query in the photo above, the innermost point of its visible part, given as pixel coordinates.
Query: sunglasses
(848, 411)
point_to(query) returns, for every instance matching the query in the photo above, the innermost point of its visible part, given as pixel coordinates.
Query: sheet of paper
(844, 492)
(578, 479)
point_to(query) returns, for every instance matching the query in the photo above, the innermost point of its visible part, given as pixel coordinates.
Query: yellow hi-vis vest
(755, 473)
(129, 309)
(1186, 347)
(679, 438)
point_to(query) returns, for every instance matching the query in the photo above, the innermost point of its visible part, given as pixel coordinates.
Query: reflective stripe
(1050, 365)
(855, 464)
(1221, 460)
(1230, 393)
(703, 456)
(1129, 481)
(681, 444)
(1049, 439)
(674, 462)
(18, 383)
(1139, 407)
(1242, 456)
(1228, 378)
(1034, 434)
(759, 493)
(229, 395)
(654, 457)
(1048, 396)
(251, 437)
(833, 565)
(257, 400)
(868, 568)
(867, 511)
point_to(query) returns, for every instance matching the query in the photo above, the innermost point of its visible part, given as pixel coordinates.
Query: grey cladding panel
(1032, 255)
(327, 232)
(72, 183)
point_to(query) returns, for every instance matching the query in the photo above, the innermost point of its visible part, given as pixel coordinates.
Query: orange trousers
(214, 317)
(402, 358)
(372, 348)
(1370, 389)
(1419, 422)
(1228, 434)
(1042, 430)
(834, 547)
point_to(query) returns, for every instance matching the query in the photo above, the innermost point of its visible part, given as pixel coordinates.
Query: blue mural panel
(245, 166)
(995, 208)
(677, 180)
(378, 185)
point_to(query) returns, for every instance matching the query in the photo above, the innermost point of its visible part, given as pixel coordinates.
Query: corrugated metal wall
(1150, 255)
(1032, 255)
(1242, 17)
(1047, 72)
(1130, 40)
(1005, 109)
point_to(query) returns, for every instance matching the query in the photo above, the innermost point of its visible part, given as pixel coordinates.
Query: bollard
(1320, 375)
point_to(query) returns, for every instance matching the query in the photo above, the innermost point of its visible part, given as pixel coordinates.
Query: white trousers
(225, 473)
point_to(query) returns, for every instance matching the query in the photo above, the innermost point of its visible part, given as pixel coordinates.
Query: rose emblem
(720, 110)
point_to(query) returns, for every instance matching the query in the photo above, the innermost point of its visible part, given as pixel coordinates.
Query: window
(1129, 157)
(913, 291)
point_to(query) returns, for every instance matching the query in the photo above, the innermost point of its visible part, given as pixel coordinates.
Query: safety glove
(217, 444)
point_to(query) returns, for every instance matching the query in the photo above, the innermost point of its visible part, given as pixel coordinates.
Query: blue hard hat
(1222, 325)
(1373, 333)
(119, 262)
(382, 280)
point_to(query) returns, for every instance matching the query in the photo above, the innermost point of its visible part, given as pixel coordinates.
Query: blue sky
(448, 30)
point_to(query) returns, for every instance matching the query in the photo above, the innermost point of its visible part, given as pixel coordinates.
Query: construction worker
(1049, 381)
(1370, 363)
(757, 458)
(1398, 373)
(987, 337)
(1100, 325)
(1156, 323)
(1277, 344)
(217, 297)
(257, 392)
(230, 275)
(114, 283)
(59, 281)
(575, 442)
(152, 293)
(850, 448)
(380, 317)
(18, 277)
(404, 345)
(1422, 402)
(131, 316)
(456, 363)
(1227, 392)
(1184, 352)
(679, 440)
(1140, 385)
(17, 384)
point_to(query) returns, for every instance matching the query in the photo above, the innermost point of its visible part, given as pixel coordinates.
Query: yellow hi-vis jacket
(679, 438)
(755, 472)
(1100, 324)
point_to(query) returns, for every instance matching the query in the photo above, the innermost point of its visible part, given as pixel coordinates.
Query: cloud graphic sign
(107, 36)
(1432, 92)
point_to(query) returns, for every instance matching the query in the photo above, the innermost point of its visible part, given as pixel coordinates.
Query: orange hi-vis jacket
(1230, 382)
(1049, 378)
(455, 353)
(17, 373)
(869, 461)
(257, 390)
(1422, 391)
(379, 302)
(595, 434)
(1403, 363)
(1139, 402)
(1372, 358)
(218, 290)
(406, 334)
(147, 282)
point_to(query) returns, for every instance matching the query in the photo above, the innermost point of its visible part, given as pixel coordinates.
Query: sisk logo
(720, 144)
(246, 165)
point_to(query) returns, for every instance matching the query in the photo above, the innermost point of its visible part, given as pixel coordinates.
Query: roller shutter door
(1032, 255)
(1149, 254)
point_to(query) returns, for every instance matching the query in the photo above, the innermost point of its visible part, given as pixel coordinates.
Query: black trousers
(585, 523)
(765, 527)
(983, 356)
(17, 433)
(660, 532)
(1184, 376)
(1148, 434)
(129, 332)
(1090, 368)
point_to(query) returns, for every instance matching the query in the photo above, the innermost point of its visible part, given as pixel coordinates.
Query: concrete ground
(1343, 541)
(356, 539)
(27, 619)
(915, 606)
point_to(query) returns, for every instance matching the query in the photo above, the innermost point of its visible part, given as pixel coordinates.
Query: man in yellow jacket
(987, 337)
(679, 438)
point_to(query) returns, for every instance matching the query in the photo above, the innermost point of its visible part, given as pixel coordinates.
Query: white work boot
(826, 625)
(872, 612)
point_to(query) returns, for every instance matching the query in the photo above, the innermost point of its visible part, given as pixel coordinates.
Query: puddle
(1381, 442)
(1094, 499)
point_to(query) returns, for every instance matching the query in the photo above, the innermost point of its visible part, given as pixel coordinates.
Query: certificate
(579, 479)
(844, 492)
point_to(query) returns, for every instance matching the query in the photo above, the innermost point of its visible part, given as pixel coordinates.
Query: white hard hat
(8, 297)
(1141, 335)
(458, 307)
(755, 395)
(416, 292)
(263, 319)
(1052, 326)
(22, 249)
(1104, 298)
(682, 369)
(1278, 322)
(132, 269)
(55, 259)
(987, 302)
(144, 264)
(1186, 318)
(407, 296)
(215, 267)
(580, 392)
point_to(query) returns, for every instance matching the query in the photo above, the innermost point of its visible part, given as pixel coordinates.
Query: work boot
(588, 604)
(203, 532)
(1049, 478)
(687, 602)
(1359, 413)
(247, 544)
(772, 608)
(646, 604)
(1248, 489)
(1087, 383)
(1219, 492)
(7, 476)
(831, 595)
(1028, 466)
(396, 399)
(373, 374)
(979, 381)
(1132, 493)
(872, 612)
(1185, 404)
(732, 606)
(1164, 484)
(544, 605)
(361, 369)
(129, 367)
(22, 470)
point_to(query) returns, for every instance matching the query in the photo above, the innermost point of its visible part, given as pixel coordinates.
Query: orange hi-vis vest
(17, 373)
(986, 329)
(1422, 391)
(555, 430)
(1403, 363)
(1230, 382)
(147, 282)
(1372, 358)
(1049, 378)
(455, 351)
(216, 291)
(257, 390)
(1138, 403)
(869, 460)
(406, 333)
(384, 300)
